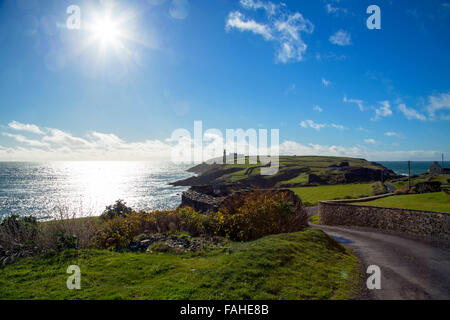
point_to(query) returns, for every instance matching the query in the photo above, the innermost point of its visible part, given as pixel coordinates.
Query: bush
(427, 187)
(118, 209)
(195, 223)
(251, 215)
(378, 188)
(117, 233)
(18, 233)
(242, 217)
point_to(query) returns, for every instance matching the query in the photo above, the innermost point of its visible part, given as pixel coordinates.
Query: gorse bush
(119, 232)
(118, 209)
(252, 215)
(242, 217)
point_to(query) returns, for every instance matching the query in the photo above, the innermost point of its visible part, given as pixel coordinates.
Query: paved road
(410, 268)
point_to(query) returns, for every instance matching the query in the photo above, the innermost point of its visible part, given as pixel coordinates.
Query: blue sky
(309, 68)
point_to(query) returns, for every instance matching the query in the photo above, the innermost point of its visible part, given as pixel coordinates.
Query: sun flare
(106, 31)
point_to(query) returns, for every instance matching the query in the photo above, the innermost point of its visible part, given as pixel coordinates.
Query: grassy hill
(437, 201)
(312, 195)
(293, 172)
(302, 265)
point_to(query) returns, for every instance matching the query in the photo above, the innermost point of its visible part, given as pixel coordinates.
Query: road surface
(410, 268)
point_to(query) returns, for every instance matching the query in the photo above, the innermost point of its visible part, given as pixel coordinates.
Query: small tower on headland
(224, 156)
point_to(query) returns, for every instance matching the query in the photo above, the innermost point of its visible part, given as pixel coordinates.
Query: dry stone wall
(425, 224)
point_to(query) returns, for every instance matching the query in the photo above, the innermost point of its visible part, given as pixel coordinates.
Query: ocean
(417, 167)
(86, 188)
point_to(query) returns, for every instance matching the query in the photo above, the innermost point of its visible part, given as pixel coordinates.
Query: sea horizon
(86, 187)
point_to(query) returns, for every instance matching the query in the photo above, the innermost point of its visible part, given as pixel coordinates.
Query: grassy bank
(302, 265)
(437, 201)
(311, 195)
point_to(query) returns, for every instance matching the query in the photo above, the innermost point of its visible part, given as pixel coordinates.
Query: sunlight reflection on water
(37, 188)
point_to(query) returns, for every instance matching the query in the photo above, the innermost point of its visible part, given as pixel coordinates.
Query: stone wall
(200, 201)
(425, 224)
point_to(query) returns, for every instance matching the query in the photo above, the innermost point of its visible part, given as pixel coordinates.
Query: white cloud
(411, 114)
(325, 82)
(329, 56)
(290, 89)
(330, 8)
(341, 38)
(22, 139)
(360, 128)
(383, 112)
(335, 10)
(281, 27)
(61, 145)
(312, 124)
(61, 138)
(25, 127)
(359, 103)
(318, 126)
(238, 21)
(292, 47)
(370, 141)
(317, 108)
(391, 134)
(295, 148)
(269, 7)
(438, 103)
(338, 126)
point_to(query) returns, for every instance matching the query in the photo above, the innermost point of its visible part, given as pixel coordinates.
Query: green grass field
(438, 201)
(302, 265)
(311, 195)
(300, 167)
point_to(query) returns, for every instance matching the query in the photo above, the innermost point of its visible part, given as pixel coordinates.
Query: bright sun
(106, 31)
(112, 33)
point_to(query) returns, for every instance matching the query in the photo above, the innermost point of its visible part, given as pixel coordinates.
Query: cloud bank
(50, 144)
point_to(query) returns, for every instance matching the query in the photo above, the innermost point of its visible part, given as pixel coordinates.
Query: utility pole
(443, 161)
(409, 175)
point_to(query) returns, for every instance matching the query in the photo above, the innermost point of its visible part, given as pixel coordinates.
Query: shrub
(427, 187)
(119, 208)
(68, 229)
(195, 223)
(242, 217)
(251, 215)
(378, 188)
(117, 233)
(18, 233)
(401, 191)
